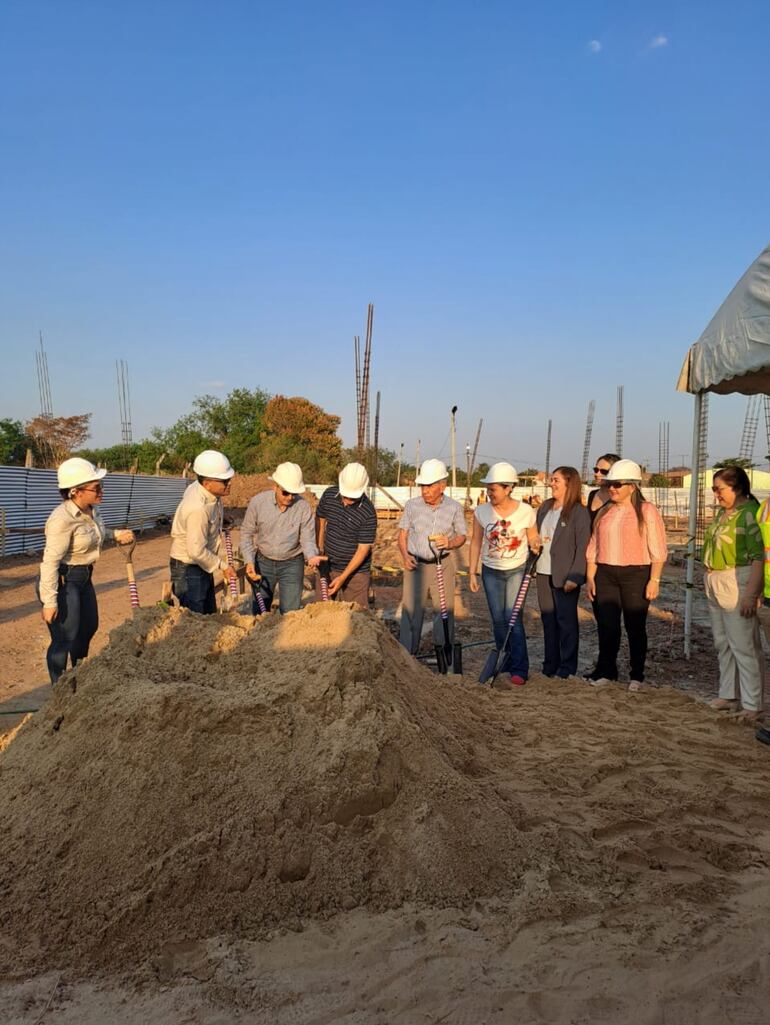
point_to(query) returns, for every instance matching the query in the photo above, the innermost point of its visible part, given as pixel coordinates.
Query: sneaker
(601, 682)
(517, 681)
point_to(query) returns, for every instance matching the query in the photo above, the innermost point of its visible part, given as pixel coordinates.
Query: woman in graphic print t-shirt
(503, 532)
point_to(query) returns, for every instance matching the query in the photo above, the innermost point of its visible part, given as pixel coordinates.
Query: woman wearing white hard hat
(503, 532)
(346, 526)
(625, 558)
(196, 534)
(74, 535)
(277, 537)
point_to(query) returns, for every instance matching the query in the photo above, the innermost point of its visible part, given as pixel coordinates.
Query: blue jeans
(193, 586)
(287, 574)
(501, 587)
(77, 621)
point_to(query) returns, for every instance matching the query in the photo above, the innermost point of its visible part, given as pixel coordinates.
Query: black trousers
(561, 635)
(620, 592)
(77, 621)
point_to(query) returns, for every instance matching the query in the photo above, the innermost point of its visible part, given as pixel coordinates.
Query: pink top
(616, 540)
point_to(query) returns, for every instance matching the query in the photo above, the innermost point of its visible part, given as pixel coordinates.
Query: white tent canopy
(732, 355)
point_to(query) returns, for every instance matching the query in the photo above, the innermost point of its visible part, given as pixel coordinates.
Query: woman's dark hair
(735, 477)
(65, 493)
(574, 488)
(608, 457)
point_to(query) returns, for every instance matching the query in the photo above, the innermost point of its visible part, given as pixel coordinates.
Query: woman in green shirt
(733, 556)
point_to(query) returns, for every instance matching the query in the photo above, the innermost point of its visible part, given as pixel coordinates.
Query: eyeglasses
(96, 487)
(286, 494)
(619, 483)
(600, 471)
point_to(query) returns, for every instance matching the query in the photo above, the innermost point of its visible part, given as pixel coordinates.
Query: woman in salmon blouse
(625, 558)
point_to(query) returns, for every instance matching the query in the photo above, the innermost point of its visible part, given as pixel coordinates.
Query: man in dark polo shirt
(346, 525)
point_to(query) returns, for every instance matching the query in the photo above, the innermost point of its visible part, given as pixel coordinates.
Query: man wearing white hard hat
(346, 526)
(431, 528)
(277, 538)
(74, 535)
(196, 534)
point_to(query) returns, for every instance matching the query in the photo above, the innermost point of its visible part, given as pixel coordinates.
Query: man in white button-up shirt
(196, 534)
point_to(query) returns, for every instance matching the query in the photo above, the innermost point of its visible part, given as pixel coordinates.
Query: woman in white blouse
(74, 534)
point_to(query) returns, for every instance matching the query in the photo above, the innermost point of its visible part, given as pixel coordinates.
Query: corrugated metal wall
(28, 497)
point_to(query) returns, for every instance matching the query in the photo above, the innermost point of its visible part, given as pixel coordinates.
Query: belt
(65, 567)
(429, 562)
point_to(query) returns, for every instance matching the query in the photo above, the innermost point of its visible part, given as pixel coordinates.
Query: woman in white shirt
(74, 535)
(503, 532)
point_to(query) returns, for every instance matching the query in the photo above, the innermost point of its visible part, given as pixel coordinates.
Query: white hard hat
(625, 469)
(432, 470)
(213, 464)
(501, 473)
(75, 471)
(289, 477)
(353, 480)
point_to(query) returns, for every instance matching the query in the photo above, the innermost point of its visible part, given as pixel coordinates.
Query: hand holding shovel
(127, 549)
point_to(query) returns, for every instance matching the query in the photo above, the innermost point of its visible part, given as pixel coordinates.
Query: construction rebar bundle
(548, 451)
(363, 417)
(376, 456)
(124, 403)
(750, 424)
(619, 422)
(587, 442)
(43, 381)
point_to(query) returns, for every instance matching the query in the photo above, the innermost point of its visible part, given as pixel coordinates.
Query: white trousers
(739, 649)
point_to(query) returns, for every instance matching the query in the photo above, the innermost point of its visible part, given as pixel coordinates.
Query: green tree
(14, 442)
(745, 464)
(658, 480)
(298, 430)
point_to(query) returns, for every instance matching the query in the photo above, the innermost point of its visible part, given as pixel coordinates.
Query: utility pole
(476, 445)
(398, 471)
(548, 452)
(454, 448)
(417, 458)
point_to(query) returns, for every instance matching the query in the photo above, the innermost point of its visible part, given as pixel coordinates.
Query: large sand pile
(215, 775)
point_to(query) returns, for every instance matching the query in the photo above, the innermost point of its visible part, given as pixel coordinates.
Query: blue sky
(542, 201)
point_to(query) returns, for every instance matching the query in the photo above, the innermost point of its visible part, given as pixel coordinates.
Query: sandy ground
(676, 798)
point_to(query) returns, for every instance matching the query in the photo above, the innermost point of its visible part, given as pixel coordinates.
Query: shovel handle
(229, 549)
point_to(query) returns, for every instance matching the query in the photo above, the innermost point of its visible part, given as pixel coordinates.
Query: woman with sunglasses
(503, 532)
(600, 496)
(74, 535)
(625, 558)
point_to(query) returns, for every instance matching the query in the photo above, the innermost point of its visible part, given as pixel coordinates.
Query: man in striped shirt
(434, 515)
(346, 525)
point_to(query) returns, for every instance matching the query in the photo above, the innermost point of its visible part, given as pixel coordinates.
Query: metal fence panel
(28, 496)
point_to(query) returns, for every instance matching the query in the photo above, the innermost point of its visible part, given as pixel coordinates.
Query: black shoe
(763, 735)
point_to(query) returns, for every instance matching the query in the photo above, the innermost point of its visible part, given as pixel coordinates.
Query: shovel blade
(457, 659)
(441, 660)
(490, 668)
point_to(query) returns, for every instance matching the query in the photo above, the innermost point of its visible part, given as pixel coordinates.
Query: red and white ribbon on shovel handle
(323, 580)
(231, 580)
(133, 592)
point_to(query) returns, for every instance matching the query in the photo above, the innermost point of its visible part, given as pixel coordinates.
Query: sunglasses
(96, 487)
(619, 483)
(286, 494)
(600, 471)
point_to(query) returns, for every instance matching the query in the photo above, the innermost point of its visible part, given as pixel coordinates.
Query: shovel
(495, 659)
(128, 554)
(448, 654)
(259, 597)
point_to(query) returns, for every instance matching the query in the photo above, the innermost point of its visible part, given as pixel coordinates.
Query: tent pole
(692, 524)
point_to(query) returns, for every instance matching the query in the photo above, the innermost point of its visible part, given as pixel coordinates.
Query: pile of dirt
(213, 774)
(219, 775)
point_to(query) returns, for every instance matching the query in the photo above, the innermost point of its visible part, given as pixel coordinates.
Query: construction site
(281, 819)
(384, 514)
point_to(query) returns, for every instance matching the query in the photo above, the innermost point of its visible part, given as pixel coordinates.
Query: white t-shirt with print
(547, 530)
(504, 544)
